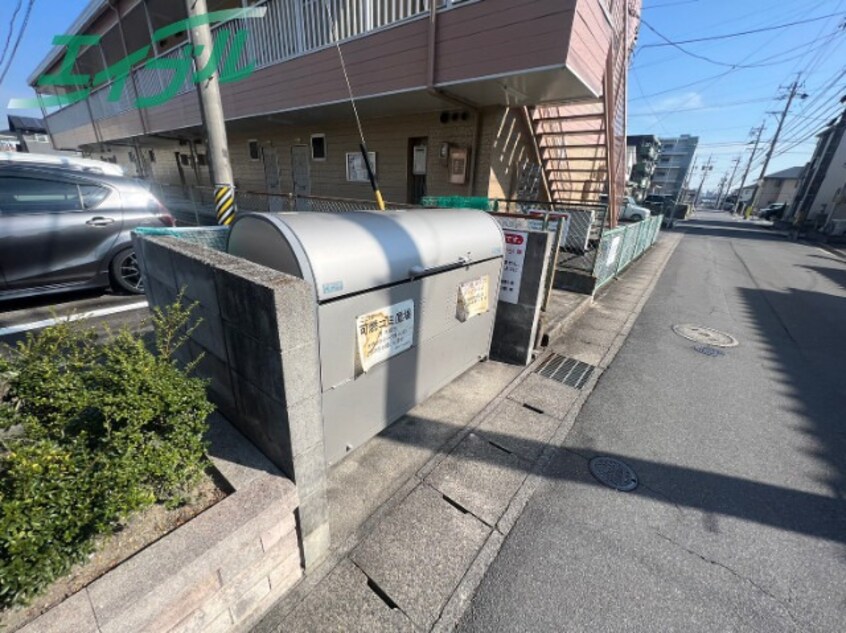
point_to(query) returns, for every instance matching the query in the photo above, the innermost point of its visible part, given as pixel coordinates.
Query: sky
(671, 91)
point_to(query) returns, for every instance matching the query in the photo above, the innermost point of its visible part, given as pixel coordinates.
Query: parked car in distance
(65, 229)
(634, 212)
(773, 212)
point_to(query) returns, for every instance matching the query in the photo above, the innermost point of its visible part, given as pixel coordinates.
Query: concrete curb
(460, 599)
(459, 602)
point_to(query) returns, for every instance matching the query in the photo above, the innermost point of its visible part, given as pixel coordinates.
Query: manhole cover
(706, 335)
(710, 351)
(613, 473)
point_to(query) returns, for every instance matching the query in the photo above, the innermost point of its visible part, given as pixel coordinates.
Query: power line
(708, 107)
(18, 40)
(738, 34)
(11, 31)
(684, 50)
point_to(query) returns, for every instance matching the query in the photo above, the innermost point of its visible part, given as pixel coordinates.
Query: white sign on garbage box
(473, 298)
(512, 272)
(385, 333)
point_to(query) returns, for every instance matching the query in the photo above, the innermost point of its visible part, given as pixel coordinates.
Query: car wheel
(637, 218)
(126, 273)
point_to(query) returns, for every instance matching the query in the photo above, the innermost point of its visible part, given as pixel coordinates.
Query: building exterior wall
(505, 153)
(673, 164)
(778, 190)
(474, 41)
(835, 179)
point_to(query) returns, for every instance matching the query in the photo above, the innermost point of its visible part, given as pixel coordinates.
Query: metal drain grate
(568, 371)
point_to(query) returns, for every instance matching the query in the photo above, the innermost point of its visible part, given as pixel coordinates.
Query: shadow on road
(837, 275)
(732, 230)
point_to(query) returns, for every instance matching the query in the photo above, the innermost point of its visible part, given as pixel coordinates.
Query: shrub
(90, 431)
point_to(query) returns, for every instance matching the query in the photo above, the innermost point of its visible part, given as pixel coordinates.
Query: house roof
(794, 173)
(26, 124)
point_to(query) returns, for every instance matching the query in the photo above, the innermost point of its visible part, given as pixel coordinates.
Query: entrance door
(417, 163)
(272, 181)
(301, 175)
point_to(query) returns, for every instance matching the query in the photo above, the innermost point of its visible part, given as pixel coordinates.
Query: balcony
(489, 52)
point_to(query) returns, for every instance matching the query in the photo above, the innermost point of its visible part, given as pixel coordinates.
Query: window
(31, 195)
(201, 160)
(318, 147)
(42, 138)
(93, 195)
(255, 150)
(152, 156)
(183, 158)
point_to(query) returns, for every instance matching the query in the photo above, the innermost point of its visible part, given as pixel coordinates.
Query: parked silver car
(63, 229)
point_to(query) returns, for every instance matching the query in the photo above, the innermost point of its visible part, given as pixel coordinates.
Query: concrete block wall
(258, 344)
(219, 572)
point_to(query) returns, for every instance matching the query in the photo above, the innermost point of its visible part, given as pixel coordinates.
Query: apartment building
(674, 163)
(780, 187)
(821, 195)
(448, 92)
(646, 149)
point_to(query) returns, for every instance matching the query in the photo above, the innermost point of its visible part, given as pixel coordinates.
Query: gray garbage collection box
(405, 303)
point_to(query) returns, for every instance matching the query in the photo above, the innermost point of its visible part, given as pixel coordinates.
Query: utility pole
(738, 205)
(721, 189)
(794, 89)
(708, 166)
(681, 194)
(720, 200)
(212, 110)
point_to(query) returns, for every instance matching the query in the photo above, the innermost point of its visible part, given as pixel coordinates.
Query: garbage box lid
(355, 251)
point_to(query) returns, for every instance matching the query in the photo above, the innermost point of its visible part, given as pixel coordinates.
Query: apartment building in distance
(457, 97)
(674, 163)
(646, 149)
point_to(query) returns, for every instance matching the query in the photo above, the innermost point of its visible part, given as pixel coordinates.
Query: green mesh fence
(457, 202)
(215, 237)
(621, 246)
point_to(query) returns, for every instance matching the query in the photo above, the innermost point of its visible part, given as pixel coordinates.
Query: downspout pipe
(443, 95)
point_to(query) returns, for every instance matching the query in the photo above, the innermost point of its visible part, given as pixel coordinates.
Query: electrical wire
(685, 51)
(715, 106)
(18, 40)
(676, 43)
(11, 31)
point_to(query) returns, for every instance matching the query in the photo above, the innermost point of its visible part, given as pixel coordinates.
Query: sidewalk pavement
(420, 512)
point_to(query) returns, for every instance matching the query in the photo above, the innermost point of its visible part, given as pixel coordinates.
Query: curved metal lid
(350, 252)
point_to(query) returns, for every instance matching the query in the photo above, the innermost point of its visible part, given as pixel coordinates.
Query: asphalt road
(739, 522)
(98, 307)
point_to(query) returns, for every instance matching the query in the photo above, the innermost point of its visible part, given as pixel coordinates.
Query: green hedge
(91, 430)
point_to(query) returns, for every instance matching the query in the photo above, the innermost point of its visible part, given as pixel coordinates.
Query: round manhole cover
(706, 335)
(613, 473)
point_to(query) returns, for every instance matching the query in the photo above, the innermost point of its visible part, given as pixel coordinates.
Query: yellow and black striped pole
(224, 202)
(374, 183)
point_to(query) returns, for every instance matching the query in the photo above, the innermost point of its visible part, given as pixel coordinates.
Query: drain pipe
(440, 93)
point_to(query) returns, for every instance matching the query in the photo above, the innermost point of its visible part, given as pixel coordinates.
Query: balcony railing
(290, 28)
